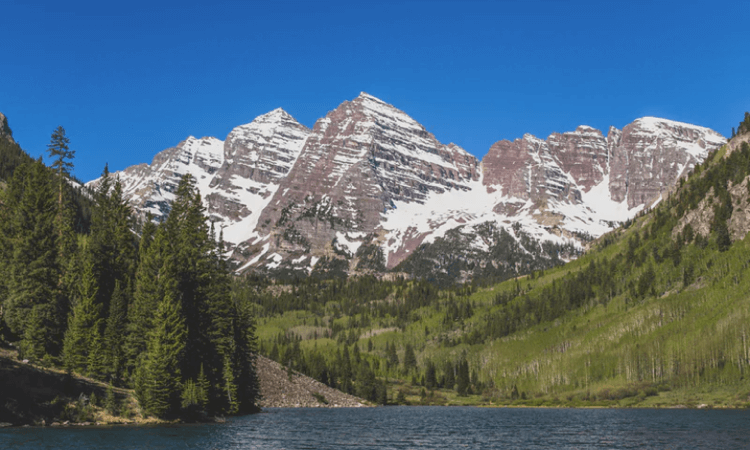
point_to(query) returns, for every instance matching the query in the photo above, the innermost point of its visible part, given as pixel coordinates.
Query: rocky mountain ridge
(368, 186)
(5, 131)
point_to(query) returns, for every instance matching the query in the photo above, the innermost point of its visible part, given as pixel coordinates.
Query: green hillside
(655, 314)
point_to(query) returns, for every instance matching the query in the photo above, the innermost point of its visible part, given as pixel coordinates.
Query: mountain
(369, 188)
(236, 177)
(654, 314)
(5, 131)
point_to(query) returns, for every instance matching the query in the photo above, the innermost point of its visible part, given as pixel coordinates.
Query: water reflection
(415, 428)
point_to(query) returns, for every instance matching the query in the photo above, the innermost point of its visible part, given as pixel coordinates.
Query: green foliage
(110, 402)
(212, 337)
(60, 152)
(744, 125)
(30, 267)
(160, 373)
(11, 157)
(114, 335)
(655, 310)
(157, 314)
(410, 359)
(83, 324)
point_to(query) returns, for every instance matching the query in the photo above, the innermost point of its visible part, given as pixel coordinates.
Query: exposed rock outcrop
(5, 131)
(368, 176)
(279, 390)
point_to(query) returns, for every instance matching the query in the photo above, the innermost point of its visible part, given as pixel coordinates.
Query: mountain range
(369, 189)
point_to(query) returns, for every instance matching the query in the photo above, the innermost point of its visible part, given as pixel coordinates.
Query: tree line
(154, 312)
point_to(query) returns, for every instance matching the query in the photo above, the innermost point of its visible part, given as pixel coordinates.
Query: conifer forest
(88, 288)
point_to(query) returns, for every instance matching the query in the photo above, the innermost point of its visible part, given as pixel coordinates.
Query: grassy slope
(677, 344)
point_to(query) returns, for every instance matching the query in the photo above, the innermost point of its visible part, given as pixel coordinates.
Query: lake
(414, 427)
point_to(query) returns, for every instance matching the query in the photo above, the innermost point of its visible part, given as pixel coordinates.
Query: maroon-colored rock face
(358, 160)
(257, 157)
(367, 173)
(583, 154)
(652, 154)
(537, 170)
(642, 161)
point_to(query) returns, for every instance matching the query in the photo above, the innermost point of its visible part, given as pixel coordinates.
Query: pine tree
(366, 383)
(112, 243)
(245, 354)
(114, 335)
(95, 364)
(202, 387)
(230, 387)
(430, 376)
(61, 154)
(391, 355)
(32, 271)
(410, 359)
(723, 238)
(110, 402)
(462, 380)
(62, 163)
(160, 376)
(149, 289)
(187, 239)
(33, 343)
(83, 324)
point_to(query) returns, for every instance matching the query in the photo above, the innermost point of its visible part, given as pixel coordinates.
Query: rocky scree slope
(369, 187)
(282, 389)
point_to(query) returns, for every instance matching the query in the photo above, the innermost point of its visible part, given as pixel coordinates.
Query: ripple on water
(414, 428)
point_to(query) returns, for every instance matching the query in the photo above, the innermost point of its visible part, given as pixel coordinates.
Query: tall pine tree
(83, 324)
(33, 309)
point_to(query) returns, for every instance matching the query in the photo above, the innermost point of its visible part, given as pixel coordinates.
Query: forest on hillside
(145, 306)
(656, 308)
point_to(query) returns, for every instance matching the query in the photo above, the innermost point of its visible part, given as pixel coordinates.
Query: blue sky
(128, 79)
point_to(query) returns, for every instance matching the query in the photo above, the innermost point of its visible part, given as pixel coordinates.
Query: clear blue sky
(128, 79)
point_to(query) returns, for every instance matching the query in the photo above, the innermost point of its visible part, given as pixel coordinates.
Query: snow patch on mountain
(285, 196)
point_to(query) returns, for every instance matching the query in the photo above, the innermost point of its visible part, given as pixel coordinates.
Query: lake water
(415, 427)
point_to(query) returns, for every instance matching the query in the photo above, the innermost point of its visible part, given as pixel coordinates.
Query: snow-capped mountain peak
(369, 185)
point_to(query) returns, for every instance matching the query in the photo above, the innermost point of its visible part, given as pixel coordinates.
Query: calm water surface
(415, 427)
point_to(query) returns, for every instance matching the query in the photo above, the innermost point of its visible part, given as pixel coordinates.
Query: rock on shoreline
(279, 390)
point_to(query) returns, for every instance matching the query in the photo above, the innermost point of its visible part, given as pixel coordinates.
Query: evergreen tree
(462, 379)
(230, 387)
(83, 324)
(62, 163)
(160, 382)
(391, 355)
(32, 273)
(410, 359)
(114, 335)
(243, 329)
(112, 244)
(430, 376)
(95, 364)
(61, 154)
(723, 238)
(149, 289)
(189, 245)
